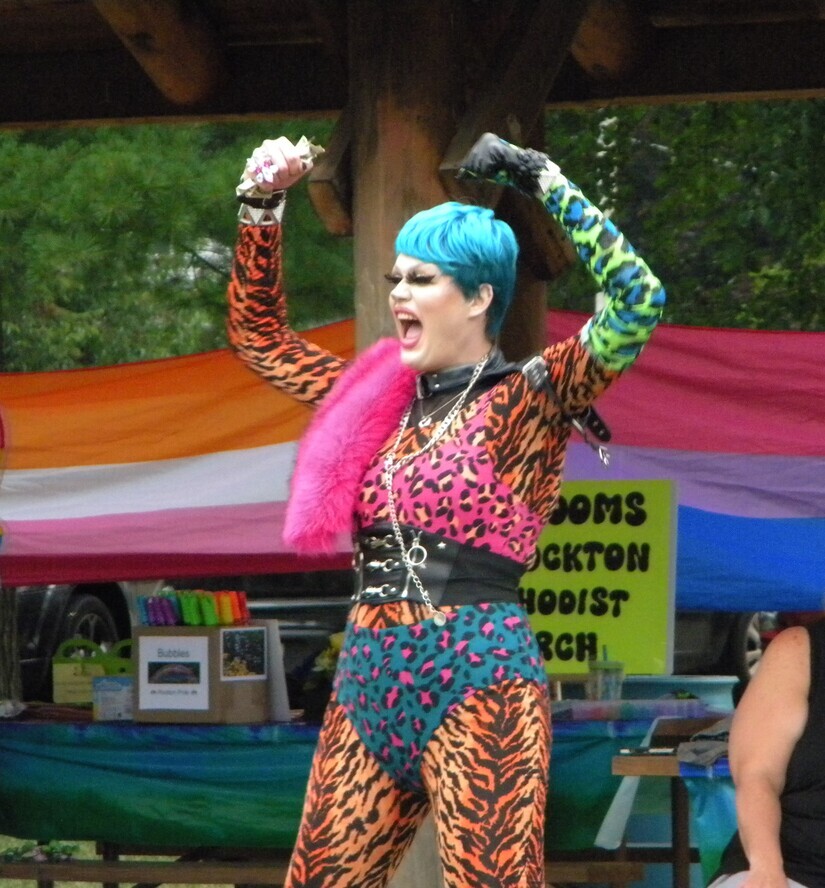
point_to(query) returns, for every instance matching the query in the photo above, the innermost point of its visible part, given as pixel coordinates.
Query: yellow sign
(602, 583)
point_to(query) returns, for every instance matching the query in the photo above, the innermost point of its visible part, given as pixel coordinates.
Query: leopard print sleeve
(529, 447)
(611, 340)
(635, 296)
(257, 325)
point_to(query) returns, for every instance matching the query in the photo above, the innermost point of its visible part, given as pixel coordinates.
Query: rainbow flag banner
(181, 467)
(736, 419)
(168, 468)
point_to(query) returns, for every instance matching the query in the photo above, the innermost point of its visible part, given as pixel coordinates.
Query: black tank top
(802, 832)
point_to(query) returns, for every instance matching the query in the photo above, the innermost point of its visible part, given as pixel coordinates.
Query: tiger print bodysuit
(453, 719)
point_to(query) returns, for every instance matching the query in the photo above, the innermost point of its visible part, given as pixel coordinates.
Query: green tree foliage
(115, 242)
(724, 200)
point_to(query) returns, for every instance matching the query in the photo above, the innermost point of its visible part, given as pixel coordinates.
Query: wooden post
(421, 867)
(404, 87)
(411, 83)
(405, 91)
(525, 332)
(510, 101)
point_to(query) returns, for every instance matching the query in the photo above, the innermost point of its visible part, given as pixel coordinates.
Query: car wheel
(747, 643)
(89, 618)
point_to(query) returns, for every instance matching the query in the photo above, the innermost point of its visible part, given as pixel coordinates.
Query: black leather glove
(493, 159)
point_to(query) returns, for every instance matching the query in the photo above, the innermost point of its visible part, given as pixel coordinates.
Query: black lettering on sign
(568, 646)
(596, 602)
(603, 508)
(592, 555)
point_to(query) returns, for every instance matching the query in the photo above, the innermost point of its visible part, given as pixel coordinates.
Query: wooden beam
(143, 872)
(10, 672)
(172, 42)
(109, 87)
(274, 873)
(513, 94)
(725, 62)
(525, 330)
(613, 39)
(48, 27)
(511, 102)
(690, 13)
(329, 17)
(330, 182)
(543, 246)
(545, 253)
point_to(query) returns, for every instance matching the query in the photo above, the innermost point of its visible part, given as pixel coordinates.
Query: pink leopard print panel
(456, 489)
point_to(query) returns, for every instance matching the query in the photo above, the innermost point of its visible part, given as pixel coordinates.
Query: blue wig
(469, 244)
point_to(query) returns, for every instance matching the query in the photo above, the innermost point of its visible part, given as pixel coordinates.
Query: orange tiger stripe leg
(356, 823)
(486, 769)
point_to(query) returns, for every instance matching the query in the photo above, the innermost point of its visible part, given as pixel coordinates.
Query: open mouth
(409, 328)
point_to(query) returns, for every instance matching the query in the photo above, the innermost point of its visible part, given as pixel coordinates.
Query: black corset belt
(452, 573)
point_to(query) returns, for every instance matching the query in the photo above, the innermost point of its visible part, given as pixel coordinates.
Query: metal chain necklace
(427, 419)
(416, 555)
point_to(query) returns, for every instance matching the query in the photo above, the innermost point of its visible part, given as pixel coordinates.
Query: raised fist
(495, 160)
(276, 164)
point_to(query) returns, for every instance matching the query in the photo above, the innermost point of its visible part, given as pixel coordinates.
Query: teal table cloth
(234, 785)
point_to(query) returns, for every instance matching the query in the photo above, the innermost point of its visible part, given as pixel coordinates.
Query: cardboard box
(201, 674)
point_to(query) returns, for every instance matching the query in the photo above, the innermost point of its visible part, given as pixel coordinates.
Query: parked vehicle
(50, 614)
(721, 643)
(313, 606)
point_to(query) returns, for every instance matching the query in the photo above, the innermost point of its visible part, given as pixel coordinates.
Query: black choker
(444, 381)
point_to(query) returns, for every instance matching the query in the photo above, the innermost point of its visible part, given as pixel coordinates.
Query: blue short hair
(472, 246)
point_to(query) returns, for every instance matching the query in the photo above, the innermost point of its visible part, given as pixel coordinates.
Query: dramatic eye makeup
(420, 278)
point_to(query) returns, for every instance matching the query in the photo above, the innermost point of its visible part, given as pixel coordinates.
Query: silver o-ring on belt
(451, 572)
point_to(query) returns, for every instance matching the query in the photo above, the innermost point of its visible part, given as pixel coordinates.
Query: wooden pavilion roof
(97, 60)
(413, 83)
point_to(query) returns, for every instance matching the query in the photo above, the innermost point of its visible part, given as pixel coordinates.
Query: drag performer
(444, 461)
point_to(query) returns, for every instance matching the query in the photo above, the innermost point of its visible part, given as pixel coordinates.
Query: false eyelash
(420, 279)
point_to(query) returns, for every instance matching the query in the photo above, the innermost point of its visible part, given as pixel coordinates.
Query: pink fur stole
(360, 412)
